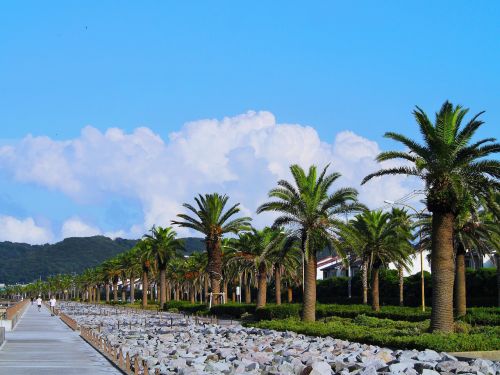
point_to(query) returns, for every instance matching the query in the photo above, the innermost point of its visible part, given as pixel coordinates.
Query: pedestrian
(53, 305)
(39, 303)
(32, 299)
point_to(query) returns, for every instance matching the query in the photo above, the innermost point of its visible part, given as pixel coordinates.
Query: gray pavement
(41, 344)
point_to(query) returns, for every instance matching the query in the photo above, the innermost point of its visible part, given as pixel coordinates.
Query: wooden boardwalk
(42, 345)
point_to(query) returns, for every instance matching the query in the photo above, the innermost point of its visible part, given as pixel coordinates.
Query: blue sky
(334, 66)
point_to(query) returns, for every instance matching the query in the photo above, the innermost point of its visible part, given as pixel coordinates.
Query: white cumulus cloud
(242, 156)
(74, 227)
(23, 230)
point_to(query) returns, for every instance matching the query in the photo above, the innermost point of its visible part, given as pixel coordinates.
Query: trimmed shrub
(284, 311)
(185, 306)
(488, 316)
(401, 335)
(235, 310)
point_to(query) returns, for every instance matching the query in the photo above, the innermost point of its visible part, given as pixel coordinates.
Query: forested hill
(22, 263)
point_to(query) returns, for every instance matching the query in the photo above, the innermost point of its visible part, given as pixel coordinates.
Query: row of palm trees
(461, 188)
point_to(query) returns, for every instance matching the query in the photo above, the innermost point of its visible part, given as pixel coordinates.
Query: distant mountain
(23, 263)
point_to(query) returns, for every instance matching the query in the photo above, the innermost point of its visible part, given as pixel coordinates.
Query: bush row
(186, 306)
(384, 332)
(233, 310)
(475, 316)
(481, 288)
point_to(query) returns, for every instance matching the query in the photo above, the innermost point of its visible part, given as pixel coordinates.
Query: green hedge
(488, 316)
(186, 307)
(395, 334)
(475, 316)
(284, 311)
(481, 288)
(235, 310)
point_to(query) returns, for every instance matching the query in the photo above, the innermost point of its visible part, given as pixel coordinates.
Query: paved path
(41, 345)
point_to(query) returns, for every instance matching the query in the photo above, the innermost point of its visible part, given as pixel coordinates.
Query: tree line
(461, 197)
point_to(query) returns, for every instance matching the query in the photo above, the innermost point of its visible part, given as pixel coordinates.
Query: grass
(392, 333)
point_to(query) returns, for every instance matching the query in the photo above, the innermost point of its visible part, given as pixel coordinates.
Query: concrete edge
(492, 355)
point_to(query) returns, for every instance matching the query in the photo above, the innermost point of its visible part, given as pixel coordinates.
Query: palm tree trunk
(115, 291)
(375, 290)
(443, 272)
(132, 288)
(163, 286)
(214, 266)
(460, 287)
(106, 289)
(277, 282)
(144, 288)
(233, 296)
(192, 293)
(205, 289)
(365, 282)
(225, 291)
(290, 294)
(169, 291)
(309, 314)
(248, 290)
(124, 292)
(401, 285)
(262, 285)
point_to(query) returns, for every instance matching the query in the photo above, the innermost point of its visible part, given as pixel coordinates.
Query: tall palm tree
(164, 247)
(403, 234)
(309, 210)
(476, 231)
(375, 236)
(143, 252)
(448, 162)
(112, 269)
(211, 219)
(286, 261)
(255, 251)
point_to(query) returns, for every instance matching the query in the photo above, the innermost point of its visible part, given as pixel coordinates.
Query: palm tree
(132, 269)
(309, 210)
(403, 235)
(448, 162)
(476, 230)
(375, 236)
(211, 219)
(113, 271)
(286, 261)
(164, 247)
(255, 251)
(143, 248)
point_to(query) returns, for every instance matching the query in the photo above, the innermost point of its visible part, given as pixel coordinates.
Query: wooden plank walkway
(42, 345)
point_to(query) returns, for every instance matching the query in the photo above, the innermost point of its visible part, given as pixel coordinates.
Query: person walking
(53, 306)
(32, 299)
(39, 303)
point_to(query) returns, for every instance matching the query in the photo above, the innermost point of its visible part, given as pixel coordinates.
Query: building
(333, 266)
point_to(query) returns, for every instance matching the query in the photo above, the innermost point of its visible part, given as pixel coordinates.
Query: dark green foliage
(23, 263)
(235, 310)
(193, 245)
(489, 316)
(187, 307)
(412, 314)
(481, 288)
(383, 332)
(475, 316)
(271, 311)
